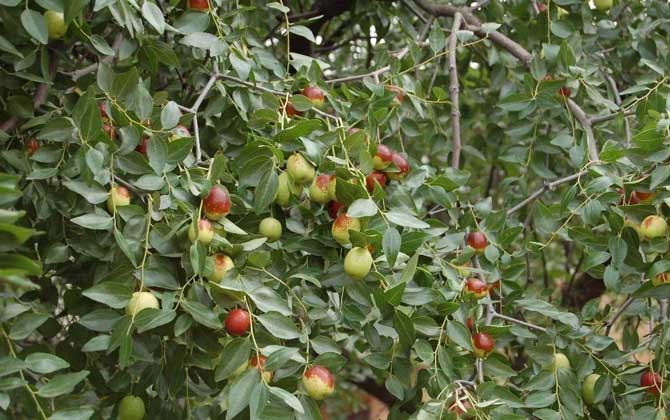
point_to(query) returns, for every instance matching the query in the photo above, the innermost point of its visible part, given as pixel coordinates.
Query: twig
(78, 74)
(547, 186)
(585, 122)
(520, 322)
(453, 92)
(610, 322)
(617, 100)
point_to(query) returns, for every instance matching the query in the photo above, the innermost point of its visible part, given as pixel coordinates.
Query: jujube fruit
(319, 382)
(238, 322)
(141, 301)
(315, 95)
(258, 362)
(270, 228)
(651, 381)
(201, 5)
(217, 204)
(358, 262)
(318, 191)
(300, 169)
(118, 197)
(131, 408)
(341, 227)
(560, 361)
(482, 344)
(373, 178)
(222, 264)
(588, 388)
(653, 227)
(476, 288)
(402, 164)
(383, 157)
(55, 24)
(477, 240)
(204, 234)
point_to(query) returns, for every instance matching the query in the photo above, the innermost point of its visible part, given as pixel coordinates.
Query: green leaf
(302, 31)
(391, 245)
(240, 392)
(459, 334)
(362, 208)
(258, 401)
(267, 300)
(550, 311)
(278, 325)
(26, 324)
(93, 221)
(61, 384)
(10, 365)
(235, 354)
(36, 25)
(202, 314)
(266, 191)
(73, 413)
(279, 358)
(157, 153)
(288, 398)
(101, 45)
(112, 294)
(45, 362)
(405, 328)
(170, 114)
(151, 318)
(406, 220)
(153, 14)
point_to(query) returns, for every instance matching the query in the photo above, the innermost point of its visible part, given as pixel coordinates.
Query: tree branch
(585, 122)
(78, 74)
(453, 92)
(547, 186)
(610, 322)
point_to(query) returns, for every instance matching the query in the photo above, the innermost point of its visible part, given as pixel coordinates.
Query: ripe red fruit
(318, 381)
(32, 145)
(315, 95)
(217, 203)
(111, 132)
(142, 147)
(477, 240)
(103, 110)
(482, 344)
(564, 91)
(641, 196)
(401, 163)
(476, 288)
(238, 322)
(258, 362)
(375, 177)
(334, 209)
(383, 157)
(399, 94)
(470, 323)
(198, 4)
(652, 381)
(291, 111)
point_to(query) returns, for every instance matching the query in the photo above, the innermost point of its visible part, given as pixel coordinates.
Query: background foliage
(539, 173)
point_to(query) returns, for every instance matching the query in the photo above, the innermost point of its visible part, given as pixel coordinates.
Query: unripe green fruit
(300, 169)
(653, 227)
(603, 5)
(270, 228)
(358, 262)
(141, 301)
(55, 24)
(588, 388)
(131, 408)
(222, 264)
(118, 197)
(341, 227)
(283, 190)
(318, 191)
(560, 361)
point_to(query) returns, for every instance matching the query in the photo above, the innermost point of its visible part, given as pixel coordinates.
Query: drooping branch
(453, 92)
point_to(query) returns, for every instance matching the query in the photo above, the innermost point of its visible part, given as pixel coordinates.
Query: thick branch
(453, 92)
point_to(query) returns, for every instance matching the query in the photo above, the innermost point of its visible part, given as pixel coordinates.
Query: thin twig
(610, 322)
(453, 92)
(597, 119)
(547, 186)
(585, 122)
(520, 322)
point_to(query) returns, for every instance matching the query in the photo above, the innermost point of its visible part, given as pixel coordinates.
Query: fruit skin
(660, 278)
(201, 5)
(477, 240)
(237, 322)
(217, 204)
(588, 388)
(205, 232)
(643, 197)
(482, 344)
(341, 227)
(283, 190)
(131, 408)
(403, 166)
(255, 361)
(222, 264)
(300, 169)
(140, 301)
(470, 323)
(399, 94)
(32, 145)
(118, 197)
(318, 381)
(142, 147)
(564, 91)
(332, 187)
(652, 381)
(560, 361)
(318, 191)
(291, 111)
(653, 227)
(179, 132)
(373, 178)
(358, 262)
(334, 209)
(270, 228)
(55, 24)
(315, 95)
(603, 5)
(475, 288)
(382, 158)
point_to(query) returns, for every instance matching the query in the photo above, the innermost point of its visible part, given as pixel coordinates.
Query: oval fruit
(141, 301)
(205, 232)
(118, 197)
(238, 322)
(300, 169)
(217, 204)
(358, 262)
(131, 408)
(482, 344)
(318, 381)
(270, 228)
(341, 227)
(222, 264)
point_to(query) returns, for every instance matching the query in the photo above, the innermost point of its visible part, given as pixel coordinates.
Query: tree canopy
(217, 209)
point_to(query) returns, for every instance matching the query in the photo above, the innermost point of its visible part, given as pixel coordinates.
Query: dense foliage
(239, 209)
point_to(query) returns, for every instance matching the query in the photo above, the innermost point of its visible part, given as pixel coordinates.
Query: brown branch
(610, 322)
(78, 74)
(453, 92)
(585, 122)
(547, 186)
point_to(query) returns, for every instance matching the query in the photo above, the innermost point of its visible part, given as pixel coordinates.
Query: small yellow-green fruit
(560, 361)
(332, 187)
(55, 24)
(588, 388)
(118, 197)
(341, 227)
(205, 232)
(603, 5)
(319, 382)
(222, 264)
(270, 228)
(318, 192)
(358, 262)
(131, 408)
(141, 301)
(300, 169)
(653, 227)
(283, 190)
